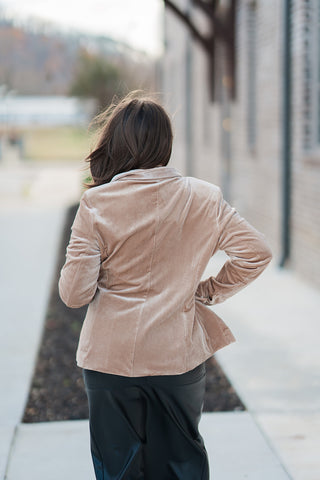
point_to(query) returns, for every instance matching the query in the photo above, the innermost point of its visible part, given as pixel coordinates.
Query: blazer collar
(147, 174)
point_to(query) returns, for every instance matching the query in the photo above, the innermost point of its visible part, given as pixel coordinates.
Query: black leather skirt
(147, 427)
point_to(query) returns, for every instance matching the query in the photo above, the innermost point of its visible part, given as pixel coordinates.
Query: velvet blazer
(138, 248)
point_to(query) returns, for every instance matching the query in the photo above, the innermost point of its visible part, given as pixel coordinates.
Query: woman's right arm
(248, 252)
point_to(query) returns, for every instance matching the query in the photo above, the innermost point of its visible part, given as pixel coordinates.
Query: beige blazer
(138, 248)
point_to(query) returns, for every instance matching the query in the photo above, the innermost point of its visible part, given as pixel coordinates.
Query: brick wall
(255, 171)
(306, 160)
(256, 178)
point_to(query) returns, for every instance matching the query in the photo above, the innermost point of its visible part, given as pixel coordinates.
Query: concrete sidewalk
(28, 246)
(33, 202)
(56, 451)
(273, 365)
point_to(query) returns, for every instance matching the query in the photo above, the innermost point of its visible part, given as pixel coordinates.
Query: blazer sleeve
(249, 254)
(79, 275)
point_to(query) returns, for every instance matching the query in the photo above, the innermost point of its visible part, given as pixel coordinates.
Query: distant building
(246, 113)
(25, 111)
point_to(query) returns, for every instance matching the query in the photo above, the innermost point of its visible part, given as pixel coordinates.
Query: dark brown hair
(134, 133)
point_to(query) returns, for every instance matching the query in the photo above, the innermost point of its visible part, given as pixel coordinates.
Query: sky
(137, 22)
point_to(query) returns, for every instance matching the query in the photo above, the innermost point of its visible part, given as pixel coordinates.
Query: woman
(140, 242)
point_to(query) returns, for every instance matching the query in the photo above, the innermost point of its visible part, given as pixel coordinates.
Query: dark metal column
(286, 129)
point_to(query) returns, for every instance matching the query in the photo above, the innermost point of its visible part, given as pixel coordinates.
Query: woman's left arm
(79, 275)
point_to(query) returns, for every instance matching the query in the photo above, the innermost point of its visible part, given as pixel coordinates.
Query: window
(311, 75)
(251, 50)
(316, 86)
(307, 72)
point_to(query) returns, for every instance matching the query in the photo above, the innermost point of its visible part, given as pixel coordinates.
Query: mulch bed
(57, 389)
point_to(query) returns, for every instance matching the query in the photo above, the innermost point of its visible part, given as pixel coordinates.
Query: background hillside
(38, 59)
